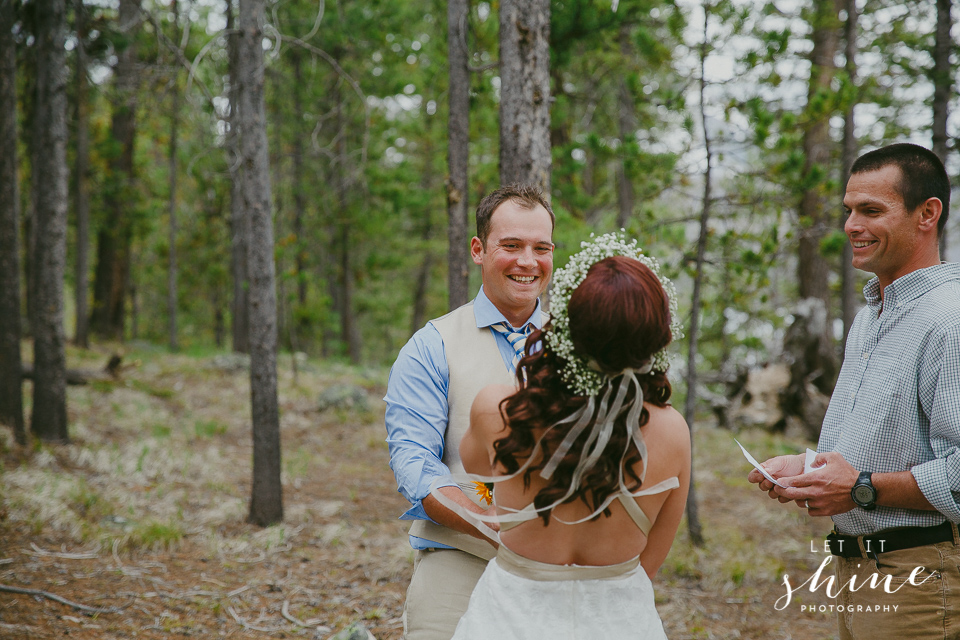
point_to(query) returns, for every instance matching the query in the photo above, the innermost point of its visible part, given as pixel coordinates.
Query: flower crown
(580, 377)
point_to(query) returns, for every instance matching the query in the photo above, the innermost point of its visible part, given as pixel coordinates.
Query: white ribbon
(597, 440)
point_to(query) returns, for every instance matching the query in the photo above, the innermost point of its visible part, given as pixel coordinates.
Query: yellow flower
(485, 492)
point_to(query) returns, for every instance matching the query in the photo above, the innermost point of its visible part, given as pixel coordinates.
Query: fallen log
(79, 377)
(76, 377)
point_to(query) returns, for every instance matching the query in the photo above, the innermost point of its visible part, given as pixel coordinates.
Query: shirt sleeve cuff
(932, 478)
(417, 512)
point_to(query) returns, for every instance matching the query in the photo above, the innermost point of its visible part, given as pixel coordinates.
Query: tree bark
(525, 92)
(11, 389)
(348, 323)
(693, 332)
(239, 223)
(50, 193)
(266, 502)
(172, 209)
(942, 87)
(812, 268)
(330, 272)
(298, 200)
(627, 125)
(419, 317)
(848, 295)
(82, 192)
(111, 278)
(458, 155)
(134, 309)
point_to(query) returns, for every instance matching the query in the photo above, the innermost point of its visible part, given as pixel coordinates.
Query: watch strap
(865, 479)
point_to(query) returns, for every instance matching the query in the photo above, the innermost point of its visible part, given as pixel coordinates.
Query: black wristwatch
(863, 492)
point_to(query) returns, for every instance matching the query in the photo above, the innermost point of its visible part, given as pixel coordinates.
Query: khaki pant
(929, 610)
(439, 592)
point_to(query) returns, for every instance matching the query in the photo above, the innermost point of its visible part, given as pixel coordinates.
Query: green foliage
(87, 503)
(155, 535)
(160, 431)
(209, 428)
(370, 137)
(833, 243)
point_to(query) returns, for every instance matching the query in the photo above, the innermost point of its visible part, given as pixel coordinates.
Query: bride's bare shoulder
(667, 423)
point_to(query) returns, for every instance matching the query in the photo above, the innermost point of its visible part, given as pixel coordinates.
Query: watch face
(863, 494)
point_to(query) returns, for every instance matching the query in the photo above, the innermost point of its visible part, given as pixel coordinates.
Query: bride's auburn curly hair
(619, 317)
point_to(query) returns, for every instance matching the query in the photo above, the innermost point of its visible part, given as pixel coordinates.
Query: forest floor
(143, 516)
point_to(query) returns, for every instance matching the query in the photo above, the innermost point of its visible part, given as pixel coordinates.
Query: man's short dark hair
(528, 196)
(922, 175)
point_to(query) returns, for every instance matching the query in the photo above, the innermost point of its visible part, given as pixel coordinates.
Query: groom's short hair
(528, 196)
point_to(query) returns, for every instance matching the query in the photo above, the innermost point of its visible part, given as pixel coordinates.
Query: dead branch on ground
(56, 598)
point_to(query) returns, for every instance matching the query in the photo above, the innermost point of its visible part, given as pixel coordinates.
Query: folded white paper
(756, 465)
(808, 461)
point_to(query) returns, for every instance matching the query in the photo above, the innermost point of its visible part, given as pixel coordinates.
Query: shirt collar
(912, 285)
(487, 314)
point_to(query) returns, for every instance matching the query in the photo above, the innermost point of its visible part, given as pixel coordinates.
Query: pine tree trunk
(50, 192)
(693, 331)
(111, 278)
(421, 290)
(219, 328)
(172, 209)
(348, 321)
(134, 308)
(82, 192)
(627, 125)
(942, 87)
(266, 502)
(525, 92)
(458, 155)
(27, 217)
(349, 332)
(29, 242)
(848, 278)
(11, 387)
(329, 270)
(812, 268)
(299, 326)
(239, 223)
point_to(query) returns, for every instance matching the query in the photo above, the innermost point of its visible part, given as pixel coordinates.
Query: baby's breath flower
(576, 373)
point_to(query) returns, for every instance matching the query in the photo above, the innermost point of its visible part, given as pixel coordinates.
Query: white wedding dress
(522, 599)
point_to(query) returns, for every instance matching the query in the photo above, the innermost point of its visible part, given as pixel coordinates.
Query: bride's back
(604, 540)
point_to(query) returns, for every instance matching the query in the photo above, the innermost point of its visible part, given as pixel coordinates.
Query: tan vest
(474, 361)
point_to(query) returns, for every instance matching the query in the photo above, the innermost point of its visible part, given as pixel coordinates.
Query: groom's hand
(778, 467)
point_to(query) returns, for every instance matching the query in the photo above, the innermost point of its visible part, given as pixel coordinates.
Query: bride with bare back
(588, 462)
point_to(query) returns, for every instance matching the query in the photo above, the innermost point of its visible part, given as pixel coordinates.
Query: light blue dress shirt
(416, 415)
(896, 405)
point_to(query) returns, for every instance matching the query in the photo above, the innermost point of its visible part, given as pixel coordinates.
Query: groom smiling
(431, 389)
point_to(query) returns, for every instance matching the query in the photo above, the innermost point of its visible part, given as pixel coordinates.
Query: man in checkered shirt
(890, 443)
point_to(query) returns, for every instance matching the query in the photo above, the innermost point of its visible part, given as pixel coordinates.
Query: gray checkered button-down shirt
(896, 406)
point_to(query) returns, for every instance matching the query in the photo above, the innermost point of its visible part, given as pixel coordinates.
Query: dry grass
(145, 512)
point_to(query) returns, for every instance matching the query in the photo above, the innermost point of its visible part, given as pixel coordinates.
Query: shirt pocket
(887, 385)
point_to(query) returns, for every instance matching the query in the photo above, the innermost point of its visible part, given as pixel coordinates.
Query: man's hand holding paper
(780, 467)
(824, 490)
(783, 472)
